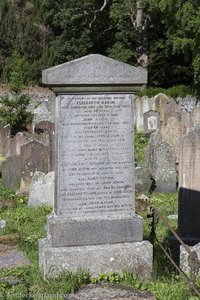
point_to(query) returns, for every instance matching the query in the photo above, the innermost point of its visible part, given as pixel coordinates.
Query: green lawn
(29, 225)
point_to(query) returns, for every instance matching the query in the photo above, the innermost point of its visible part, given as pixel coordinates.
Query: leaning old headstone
(94, 225)
(189, 188)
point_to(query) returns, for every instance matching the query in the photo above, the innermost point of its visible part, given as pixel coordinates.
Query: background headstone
(34, 157)
(42, 189)
(172, 134)
(160, 161)
(5, 133)
(166, 106)
(151, 121)
(142, 105)
(142, 180)
(189, 187)
(11, 172)
(13, 144)
(48, 127)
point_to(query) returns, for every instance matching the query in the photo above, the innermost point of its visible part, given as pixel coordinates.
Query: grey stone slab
(93, 231)
(142, 180)
(160, 161)
(95, 154)
(42, 189)
(94, 69)
(133, 257)
(189, 186)
(11, 172)
(5, 133)
(172, 134)
(48, 127)
(185, 261)
(34, 157)
(108, 292)
(10, 257)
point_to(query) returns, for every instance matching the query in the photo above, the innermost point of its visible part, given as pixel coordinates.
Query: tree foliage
(162, 35)
(13, 112)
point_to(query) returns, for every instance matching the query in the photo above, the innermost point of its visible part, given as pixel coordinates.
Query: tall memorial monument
(94, 225)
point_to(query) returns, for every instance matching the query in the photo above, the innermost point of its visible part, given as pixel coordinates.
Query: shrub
(13, 111)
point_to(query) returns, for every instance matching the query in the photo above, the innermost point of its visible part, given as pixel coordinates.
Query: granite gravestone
(94, 225)
(151, 121)
(189, 188)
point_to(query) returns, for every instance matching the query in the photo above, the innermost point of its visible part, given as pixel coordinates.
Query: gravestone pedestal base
(64, 232)
(134, 257)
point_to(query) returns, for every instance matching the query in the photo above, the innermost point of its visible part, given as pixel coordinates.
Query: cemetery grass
(28, 225)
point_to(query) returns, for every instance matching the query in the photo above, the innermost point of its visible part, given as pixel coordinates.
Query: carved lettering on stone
(95, 155)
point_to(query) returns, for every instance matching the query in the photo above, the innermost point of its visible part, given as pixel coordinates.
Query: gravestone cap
(94, 70)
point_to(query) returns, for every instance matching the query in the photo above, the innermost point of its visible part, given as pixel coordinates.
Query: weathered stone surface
(34, 157)
(189, 119)
(151, 121)
(142, 105)
(11, 172)
(186, 262)
(172, 134)
(133, 257)
(43, 126)
(4, 135)
(189, 186)
(49, 127)
(108, 292)
(42, 113)
(167, 107)
(161, 162)
(92, 231)
(188, 103)
(95, 155)
(142, 180)
(42, 189)
(10, 257)
(13, 145)
(94, 69)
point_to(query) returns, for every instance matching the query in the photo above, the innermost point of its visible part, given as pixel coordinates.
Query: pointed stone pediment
(94, 69)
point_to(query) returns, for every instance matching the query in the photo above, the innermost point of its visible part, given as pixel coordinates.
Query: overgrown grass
(174, 92)
(141, 142)
(29, 224)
